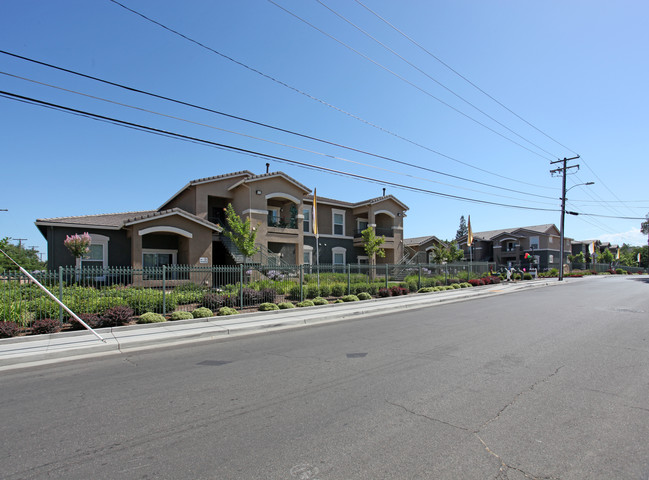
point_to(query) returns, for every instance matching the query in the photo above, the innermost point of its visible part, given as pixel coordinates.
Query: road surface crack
(412, 412)
(517, 396)
(504, 467)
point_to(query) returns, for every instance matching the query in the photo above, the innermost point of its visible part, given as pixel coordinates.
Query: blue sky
(574, 74)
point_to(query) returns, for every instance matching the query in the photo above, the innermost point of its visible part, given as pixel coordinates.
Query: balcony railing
(379, 231)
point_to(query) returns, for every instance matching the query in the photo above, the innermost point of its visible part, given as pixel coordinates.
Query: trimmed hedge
(203, 312)
(150, 317)
(320, 301)
(267, 307)
(223, 311)
(180, 315)
(285, 305)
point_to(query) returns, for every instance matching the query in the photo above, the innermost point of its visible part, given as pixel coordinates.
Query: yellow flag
(469, 237)
(315, 213)
(617, 257)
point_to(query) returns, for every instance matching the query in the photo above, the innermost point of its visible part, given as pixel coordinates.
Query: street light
(563, 222)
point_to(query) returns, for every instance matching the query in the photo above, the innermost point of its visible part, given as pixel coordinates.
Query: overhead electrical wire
(167, 133)
(414, 42)
(193, 139)
(312, 97)
(342, 17)
(402, 78)
(462, 76)
(94, 97)
(265, 125)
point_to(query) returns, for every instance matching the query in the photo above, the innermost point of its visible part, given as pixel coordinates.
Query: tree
(447, 254)
(28, 259)
(372, 244)
(455, 253)
(241, 233)
(463, 230)
(606, 257)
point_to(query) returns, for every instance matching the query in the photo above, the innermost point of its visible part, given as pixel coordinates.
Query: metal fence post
(349, 279)
(241, 287)
(164, 289)
(386, 275)
(302, 283)
(60, 292)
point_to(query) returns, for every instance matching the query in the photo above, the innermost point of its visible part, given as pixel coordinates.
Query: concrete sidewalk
(21, 352)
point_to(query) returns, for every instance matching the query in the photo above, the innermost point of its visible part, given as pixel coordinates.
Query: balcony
(379, 231)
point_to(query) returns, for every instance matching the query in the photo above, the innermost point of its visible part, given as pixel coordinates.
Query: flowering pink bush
(78, 245)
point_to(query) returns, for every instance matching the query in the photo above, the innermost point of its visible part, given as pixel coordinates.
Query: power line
(312, 97)
(339, 15)
(400, 77)
(461, 76)
(232, 148)
(292, 146)
(197, 140)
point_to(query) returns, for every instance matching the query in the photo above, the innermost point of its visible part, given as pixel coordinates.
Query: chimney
(267, 167)
(384, 191)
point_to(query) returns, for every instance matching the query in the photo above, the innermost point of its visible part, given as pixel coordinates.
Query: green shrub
(427, 290)
(311, 291)
(350, 298)
(223, 311)
(364, 296)
(203, 312)
(150, 317)
(285, 305)
(305, 303)
(294, 292)
(465, 285)
(320, 301)
(180, 315)
(267, 307)
(338, 289)
(338, 300)
(214, 301)
(325, 290)
(455, 286)
(527, 276)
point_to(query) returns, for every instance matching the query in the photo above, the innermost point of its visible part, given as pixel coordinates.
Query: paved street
(550, 383)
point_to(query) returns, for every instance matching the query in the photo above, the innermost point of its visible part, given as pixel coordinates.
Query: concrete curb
(23, 352)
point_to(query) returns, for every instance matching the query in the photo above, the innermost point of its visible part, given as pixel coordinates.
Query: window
(339, 254)
(551, 259)
(511, 246)
(98, 254)
(308, 255)
(362, 225)
(158, 258)
(95, 257)
(534, 242)
(307, 221)
(338, 222)
(273, 217)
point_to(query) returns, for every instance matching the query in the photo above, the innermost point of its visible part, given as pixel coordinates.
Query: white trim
(387, 212)
(254, 210)
(164, 228)
(335, 211)
(305, 220)
(308, 250)
(363, 257)
(283, 195)
(394, 227)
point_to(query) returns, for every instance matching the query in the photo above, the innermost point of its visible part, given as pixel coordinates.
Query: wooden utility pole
(563, 206)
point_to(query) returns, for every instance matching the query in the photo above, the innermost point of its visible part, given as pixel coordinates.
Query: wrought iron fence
(93, 290)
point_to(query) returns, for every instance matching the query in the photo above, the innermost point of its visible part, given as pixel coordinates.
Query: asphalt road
(551, 383)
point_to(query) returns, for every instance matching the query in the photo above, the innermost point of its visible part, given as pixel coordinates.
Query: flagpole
(317, 236)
